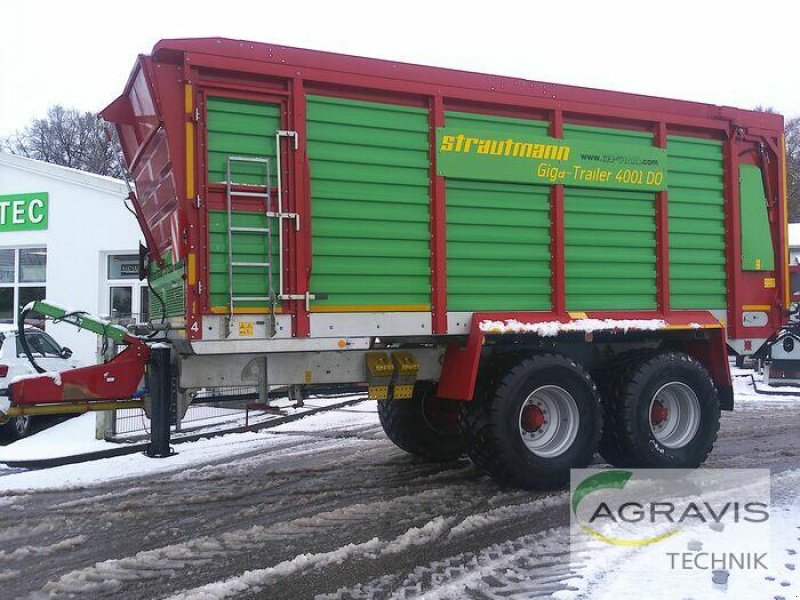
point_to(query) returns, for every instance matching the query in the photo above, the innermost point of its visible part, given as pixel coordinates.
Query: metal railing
(210, 407)
(132, 422)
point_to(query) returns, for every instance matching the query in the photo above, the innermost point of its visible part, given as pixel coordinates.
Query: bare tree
(69, 138)
(792, 131)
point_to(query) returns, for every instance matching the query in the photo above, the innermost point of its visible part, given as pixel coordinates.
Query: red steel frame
(662, 234)
(558, 263)
(258, 70)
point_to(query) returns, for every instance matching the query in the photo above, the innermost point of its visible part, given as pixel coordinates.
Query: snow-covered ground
(326, 507)
(77, 436)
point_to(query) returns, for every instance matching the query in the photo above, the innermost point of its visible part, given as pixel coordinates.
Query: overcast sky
(79, 53)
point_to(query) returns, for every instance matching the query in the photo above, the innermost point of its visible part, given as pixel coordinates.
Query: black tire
(18, 427)
(492, 424)
(610, 379)
(629, 439)
(424, 425)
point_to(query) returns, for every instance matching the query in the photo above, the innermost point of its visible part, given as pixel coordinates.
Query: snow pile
(552, 328)
(477, 521)
(74, 436)
(256, 579)
(27, 552)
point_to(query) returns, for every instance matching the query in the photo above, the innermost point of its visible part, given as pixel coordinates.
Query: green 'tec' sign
(469, 153)
(23, 212)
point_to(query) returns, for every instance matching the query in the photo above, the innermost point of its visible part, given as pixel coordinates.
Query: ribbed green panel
(240, 128)
(370, 196)
(610, 240)
(498, 234)
(170, 284)
(248, 247)
(508, 126)
(696, 224)
(498, 246)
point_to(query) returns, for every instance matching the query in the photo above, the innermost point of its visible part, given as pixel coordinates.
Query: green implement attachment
(81, 320)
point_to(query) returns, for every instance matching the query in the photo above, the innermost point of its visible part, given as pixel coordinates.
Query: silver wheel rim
(548, 421)
(674, 415)
(21, 424)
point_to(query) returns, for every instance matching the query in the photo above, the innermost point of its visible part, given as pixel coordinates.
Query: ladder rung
(250, 194)
(249, 264)
(248, 298)
(251, 229)
(248, 159)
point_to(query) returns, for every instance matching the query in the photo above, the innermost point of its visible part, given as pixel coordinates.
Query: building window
(127, 296)
(23, 278)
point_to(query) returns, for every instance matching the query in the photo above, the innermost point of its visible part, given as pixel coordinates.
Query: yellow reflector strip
(578, 315)
(702, 326)
(187, 98)
(374, 308)
(785, 202)
(190, 160)
(191, 268)
(766, 307)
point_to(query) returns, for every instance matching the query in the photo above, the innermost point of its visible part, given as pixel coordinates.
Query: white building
(66, 235)
(794, 243)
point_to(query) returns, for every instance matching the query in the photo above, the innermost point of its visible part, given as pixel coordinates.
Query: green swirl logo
(604, 480)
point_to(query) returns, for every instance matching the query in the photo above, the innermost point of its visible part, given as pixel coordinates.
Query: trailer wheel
(663, 411)
(533, 422)
(423, 425)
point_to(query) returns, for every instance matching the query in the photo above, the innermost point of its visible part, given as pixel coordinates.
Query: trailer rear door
(248, 224)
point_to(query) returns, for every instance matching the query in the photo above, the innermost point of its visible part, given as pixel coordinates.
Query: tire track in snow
(254, 581)
(27, 552)
(107, 577)
(438, 530)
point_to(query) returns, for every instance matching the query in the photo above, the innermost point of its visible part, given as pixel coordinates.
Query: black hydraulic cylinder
(159, 382)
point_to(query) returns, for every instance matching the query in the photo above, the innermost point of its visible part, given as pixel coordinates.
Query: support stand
(159, 382)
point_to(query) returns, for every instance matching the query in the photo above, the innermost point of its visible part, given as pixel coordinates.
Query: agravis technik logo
(697, 519)
(610, 480)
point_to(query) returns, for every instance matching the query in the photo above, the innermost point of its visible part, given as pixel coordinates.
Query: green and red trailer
(517, 270)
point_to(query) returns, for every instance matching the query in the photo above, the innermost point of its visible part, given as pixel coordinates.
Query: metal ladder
(271, 297)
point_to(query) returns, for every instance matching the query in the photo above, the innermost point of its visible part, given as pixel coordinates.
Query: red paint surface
(117, 379)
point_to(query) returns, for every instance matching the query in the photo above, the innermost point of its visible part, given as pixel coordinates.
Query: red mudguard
(461, 363)
(118, 379)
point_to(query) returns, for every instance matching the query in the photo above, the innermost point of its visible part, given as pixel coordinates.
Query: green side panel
(240, 128)
(247, 247)
(610, 237)
(370, 197)
(757, 251)
(607, 136)
(170, 284)
(696, 208)
(499, 125)
(498, 246)
(498, 234)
